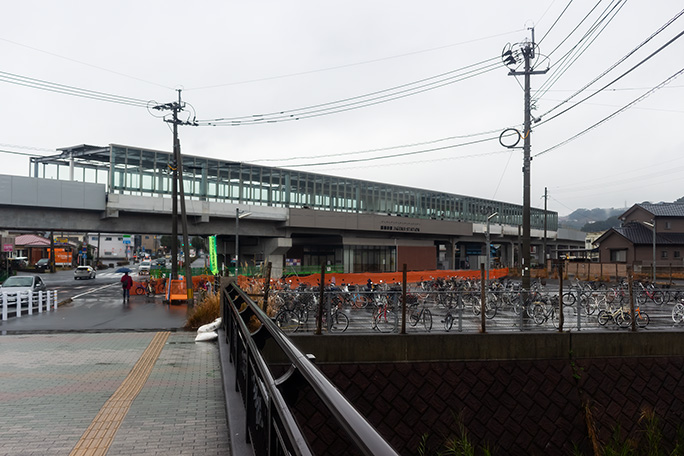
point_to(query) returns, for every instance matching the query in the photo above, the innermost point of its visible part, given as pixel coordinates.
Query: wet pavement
(98, 376)
(52, 387)
(102, 309)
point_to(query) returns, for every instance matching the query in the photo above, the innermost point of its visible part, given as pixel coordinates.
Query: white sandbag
(210, 327)
(206, 336)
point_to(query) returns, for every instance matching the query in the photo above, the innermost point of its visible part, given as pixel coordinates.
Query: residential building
(649, 233)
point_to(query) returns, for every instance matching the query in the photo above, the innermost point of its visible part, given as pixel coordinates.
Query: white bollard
(4, 306)
(55, 298)
(40, 301)
(18, 297)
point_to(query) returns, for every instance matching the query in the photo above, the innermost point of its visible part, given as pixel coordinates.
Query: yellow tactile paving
(99, 436)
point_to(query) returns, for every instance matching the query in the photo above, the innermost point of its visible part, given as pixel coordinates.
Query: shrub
(208, 310)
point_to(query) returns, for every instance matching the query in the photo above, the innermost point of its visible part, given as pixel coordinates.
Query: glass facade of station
(144, 172)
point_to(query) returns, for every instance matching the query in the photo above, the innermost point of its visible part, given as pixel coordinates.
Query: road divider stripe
(99, 436)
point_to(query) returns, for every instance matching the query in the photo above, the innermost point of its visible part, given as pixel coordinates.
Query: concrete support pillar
(451, 254)
(274, 252)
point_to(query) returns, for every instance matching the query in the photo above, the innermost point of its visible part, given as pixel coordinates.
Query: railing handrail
(361, 432)
(47, 297)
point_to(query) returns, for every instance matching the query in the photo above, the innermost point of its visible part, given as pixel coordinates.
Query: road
(97, 305)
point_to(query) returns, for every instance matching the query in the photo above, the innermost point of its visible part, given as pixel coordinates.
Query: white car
(84, 272)
(144, 267)
(17, 286)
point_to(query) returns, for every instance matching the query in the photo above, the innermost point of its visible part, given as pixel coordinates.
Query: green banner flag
(212, 255)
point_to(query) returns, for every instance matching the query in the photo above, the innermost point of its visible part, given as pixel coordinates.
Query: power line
(554, 22)
(423, 160)
(360, 101)
(24, 154)
(404, 154)
(84, 63)
(69, 90)
(616, 79)
(625, 57)
(379, 149)
(337, 67)
(624, 108)
(579, 49)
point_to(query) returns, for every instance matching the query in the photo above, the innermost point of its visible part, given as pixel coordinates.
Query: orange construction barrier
(176, 290)
(386, 277)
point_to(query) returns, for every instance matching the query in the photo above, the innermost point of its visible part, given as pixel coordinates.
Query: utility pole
(511, 58)
(177, 177)
(546, 199)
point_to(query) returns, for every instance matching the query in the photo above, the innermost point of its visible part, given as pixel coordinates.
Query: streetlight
(489, 248)
(238, 215)
(651, 224)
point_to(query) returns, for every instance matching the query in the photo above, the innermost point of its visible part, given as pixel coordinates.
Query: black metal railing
(270, 395)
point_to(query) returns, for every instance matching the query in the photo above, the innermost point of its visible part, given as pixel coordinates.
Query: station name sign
(405, 227)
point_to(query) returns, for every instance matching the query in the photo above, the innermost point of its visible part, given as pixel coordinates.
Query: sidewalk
(135, 393)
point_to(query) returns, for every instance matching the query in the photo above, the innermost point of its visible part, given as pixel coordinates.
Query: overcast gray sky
(235, 59)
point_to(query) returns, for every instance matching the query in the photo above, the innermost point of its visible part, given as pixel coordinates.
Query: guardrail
(269, 392)
(18, 303)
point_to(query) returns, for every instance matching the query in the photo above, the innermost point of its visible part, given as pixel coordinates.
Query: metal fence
(269, 391)
(464, 307)
(16, 304)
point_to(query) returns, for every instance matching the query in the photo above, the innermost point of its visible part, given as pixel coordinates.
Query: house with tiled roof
(645, 226)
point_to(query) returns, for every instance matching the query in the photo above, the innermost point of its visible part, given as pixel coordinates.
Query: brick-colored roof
(31, 240)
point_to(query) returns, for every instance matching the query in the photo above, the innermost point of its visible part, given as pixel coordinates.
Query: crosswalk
(110, 274)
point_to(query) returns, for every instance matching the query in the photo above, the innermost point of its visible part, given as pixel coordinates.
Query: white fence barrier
(26, 303)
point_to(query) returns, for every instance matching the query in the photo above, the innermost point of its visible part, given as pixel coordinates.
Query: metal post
(630, 288)
(237, 241)
(319, 317)
(483, 292)
(561, 317)
(654, 252)
(489, 246)
(267, 286)
(403, 300)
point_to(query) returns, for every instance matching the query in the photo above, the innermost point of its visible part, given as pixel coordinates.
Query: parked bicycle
(418, 313)
(384, 317)
(619, 316)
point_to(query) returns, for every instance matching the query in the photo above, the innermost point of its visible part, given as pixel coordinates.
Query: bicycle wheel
(569, 299)
(555, 318)
(591, 305)
(678, 312)
(414, 316)
(448, 322)
(538, 313)
(339, 322)
(427, 319)
(624, 320)
(140, 291)
(490, 310)
(287, 321)
(385, 321)
(658, 297)
(641, 297)
(642, 319)
(604, 317)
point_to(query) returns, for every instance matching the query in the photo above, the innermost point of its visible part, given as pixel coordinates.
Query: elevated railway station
(287, 217)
